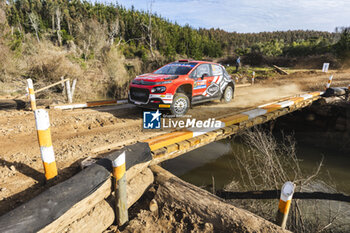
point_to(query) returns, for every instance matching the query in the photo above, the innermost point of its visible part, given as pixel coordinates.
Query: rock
(13, 168)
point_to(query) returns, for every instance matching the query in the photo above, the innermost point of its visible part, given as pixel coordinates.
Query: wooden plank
(194, 141)
(184, 145)
(44, 88)
(231, 120)
(280, 70)
(168, 139)
(272, 107)
(297, 99)
(100, 103)
(172, 148)
(89, 202)
(101, 216)
(160, 151)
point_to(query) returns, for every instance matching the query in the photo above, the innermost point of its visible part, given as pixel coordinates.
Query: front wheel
(227, 95)
(180, 105)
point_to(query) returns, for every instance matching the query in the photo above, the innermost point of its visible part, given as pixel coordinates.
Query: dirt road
(78, 134)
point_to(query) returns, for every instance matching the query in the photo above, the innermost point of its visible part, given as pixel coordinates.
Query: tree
(34, 21)
(342, 47)
(58, 21)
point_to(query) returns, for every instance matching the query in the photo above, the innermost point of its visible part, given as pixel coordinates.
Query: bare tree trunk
(113, 31)
(69, 27)
(58, 19)
(53, 21)
(150, 31)
(35, 24)
(86, 48)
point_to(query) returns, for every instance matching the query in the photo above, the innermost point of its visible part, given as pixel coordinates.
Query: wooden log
(102, 215)
(280, 70)
(44, 88)
(212, 209)
(274, 194)
(84, 206)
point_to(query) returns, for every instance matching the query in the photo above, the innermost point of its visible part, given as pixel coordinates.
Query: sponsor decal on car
(200, 84)
(212, 89)
(183, 65)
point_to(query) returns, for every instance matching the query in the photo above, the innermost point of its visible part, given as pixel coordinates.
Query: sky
(250, 15)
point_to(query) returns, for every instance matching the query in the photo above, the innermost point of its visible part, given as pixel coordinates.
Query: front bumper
(153, 103)
(142, 97)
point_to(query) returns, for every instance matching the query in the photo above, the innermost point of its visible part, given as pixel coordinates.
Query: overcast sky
(250, 15)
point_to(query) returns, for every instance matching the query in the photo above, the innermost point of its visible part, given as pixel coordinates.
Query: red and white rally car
(178, 85)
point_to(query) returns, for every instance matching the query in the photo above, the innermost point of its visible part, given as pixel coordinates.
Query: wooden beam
(44, 88)
(101, 216)
(84, 206)
(210, 208)
(280, 70)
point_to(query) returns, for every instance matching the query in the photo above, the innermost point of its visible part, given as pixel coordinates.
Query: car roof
(196, 61)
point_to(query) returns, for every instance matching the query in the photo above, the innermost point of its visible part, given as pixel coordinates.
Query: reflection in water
(217, 160)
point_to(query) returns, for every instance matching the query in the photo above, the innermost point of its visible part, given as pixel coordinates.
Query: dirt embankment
(81, 133)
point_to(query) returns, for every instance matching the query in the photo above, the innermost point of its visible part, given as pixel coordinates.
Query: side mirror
(204, 75)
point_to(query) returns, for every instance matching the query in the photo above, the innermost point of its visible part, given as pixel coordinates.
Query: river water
(215, 161)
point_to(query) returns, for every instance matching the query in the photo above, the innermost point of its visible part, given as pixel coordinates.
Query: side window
(225, 72)
(200, 70)
(217, 70)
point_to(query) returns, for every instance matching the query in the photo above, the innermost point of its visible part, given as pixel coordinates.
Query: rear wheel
(228, 94)
(180, 105)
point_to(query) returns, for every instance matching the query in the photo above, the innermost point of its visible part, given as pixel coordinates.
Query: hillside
(104, 46)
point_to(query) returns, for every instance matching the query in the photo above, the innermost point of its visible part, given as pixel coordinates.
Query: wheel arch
(232, 84)
(185, 89)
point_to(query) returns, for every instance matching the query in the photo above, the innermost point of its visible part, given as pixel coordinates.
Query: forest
(40, 38)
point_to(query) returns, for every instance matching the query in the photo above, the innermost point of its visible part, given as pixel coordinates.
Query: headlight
(158, 89)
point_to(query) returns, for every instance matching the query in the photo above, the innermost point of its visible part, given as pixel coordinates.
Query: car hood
(153, 77)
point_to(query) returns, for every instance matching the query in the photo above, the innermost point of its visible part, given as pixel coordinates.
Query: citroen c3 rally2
(178, 85)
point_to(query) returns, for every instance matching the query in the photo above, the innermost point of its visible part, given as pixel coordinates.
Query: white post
(253, 77)
(287, 192)
(73, 88)
(329, 81)
(325, 67)
(69, 96)
(119, 174)
(31, 94)
(44, 137)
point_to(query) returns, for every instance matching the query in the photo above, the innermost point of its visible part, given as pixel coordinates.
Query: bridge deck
(171, 145)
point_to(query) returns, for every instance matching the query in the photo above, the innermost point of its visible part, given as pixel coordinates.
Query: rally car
(178, 85)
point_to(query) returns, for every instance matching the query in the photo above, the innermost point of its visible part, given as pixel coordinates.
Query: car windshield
(177, 68)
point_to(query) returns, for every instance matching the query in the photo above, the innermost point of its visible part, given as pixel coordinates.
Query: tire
(227, 95)
(180, 105)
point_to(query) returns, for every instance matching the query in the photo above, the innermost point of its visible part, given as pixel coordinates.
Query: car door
(202, 77)
(217, 81)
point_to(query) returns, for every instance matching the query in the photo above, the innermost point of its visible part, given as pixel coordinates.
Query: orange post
(119, 174)
(31, 94)
(284, 203)
(329, 81)
(44, 137)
